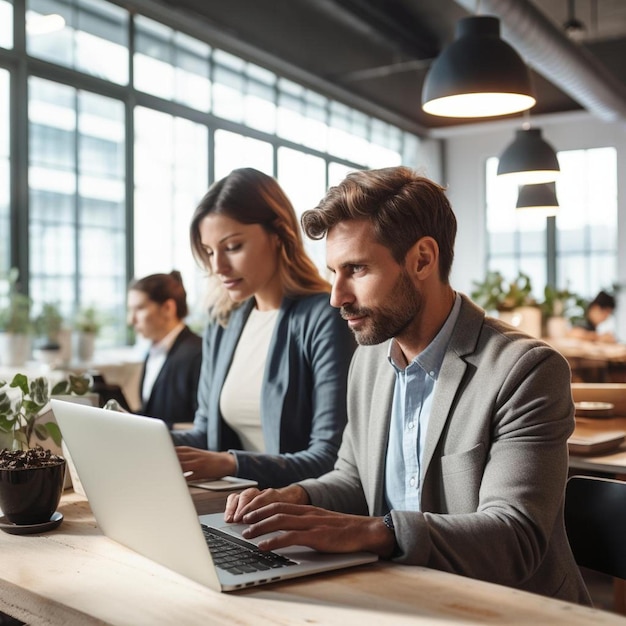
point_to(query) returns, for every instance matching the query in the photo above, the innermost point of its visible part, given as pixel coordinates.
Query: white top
(156, 359)
(240, 400)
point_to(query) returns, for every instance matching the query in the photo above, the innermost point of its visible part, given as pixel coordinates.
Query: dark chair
(595, 518)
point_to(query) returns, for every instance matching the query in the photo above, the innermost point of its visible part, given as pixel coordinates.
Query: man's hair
(401, 205)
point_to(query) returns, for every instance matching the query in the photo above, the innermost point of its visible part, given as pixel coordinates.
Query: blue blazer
(303, 402)
(174, 396)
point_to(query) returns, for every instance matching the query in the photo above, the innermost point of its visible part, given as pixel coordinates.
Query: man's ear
(422, 259)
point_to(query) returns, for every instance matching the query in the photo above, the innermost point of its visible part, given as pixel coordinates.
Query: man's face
(377, 297)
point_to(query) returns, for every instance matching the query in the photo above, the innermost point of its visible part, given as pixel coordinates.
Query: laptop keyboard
(238, 556)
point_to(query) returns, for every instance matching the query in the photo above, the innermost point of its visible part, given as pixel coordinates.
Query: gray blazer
(495, 461)
(303, 402)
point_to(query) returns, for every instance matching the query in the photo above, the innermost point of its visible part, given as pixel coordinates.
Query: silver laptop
(133, 481)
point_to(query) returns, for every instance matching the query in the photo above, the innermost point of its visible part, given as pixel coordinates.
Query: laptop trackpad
(237, 529)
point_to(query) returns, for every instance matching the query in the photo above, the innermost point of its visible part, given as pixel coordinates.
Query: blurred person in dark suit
(157, 308)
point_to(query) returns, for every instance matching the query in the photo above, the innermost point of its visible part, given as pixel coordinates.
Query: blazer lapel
(378, 436)
(453, 368)
(451, 374)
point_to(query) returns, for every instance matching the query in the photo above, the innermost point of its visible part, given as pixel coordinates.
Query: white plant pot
(65, 343)
(557, 327)
(86, 346)
(15, 349)
(525, 318)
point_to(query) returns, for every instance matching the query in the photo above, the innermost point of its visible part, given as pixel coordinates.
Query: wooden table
(611, 464)
(593, 361)
(76, 576)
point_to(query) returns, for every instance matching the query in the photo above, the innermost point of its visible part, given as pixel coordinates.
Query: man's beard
(388, 321)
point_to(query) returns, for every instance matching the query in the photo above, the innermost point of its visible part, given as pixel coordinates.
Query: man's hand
(205, 464)
(238, 504)
(317, 528)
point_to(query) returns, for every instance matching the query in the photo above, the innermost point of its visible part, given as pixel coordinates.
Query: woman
(157, 307)
(598, 311)
(272, 396)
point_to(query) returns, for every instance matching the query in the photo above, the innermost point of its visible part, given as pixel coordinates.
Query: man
(455, 453)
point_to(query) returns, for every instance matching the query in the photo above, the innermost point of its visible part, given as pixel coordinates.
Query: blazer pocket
(461, 477)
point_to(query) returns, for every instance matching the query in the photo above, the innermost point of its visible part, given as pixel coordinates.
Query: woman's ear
(169, 306)
(423, 258)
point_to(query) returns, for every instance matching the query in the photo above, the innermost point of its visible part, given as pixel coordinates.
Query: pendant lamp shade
(478, 75)
(529, 159)
(540, 199)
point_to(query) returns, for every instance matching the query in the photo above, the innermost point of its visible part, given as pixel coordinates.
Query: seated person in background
(455, 452)
(272, 395)
(598, 311)
(157, 307)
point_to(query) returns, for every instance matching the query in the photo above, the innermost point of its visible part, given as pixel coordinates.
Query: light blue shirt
(410, 413)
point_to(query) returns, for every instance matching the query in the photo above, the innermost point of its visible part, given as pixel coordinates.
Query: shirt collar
(165, 345)
(431, 358)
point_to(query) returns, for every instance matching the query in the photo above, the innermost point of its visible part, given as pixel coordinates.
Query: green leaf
(61, 388)
(5, 403)
(6, 425)
(41, 431)
(20, 381)
(32, 408)
(80, 385)
(39, 390)
(54, 432)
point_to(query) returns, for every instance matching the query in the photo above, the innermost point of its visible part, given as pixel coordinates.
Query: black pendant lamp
(478, 75)
(540, 199)
(529, 159)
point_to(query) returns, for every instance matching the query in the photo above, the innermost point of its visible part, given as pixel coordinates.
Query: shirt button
(411, 425)
(432, 374)
(412, 481)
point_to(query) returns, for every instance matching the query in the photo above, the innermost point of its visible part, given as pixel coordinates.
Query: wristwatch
(388, 522)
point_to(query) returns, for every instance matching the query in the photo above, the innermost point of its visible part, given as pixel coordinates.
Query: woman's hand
(205, 464)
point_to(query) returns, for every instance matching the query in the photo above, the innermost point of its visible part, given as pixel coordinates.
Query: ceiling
(374, 54)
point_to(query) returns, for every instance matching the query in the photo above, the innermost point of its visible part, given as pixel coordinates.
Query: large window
(171, 65)
(5, 187)
(6, 24)
(304, 191)
(121, 148)
(585, 244)
(91, 36)
(77, 201)
(171, 165)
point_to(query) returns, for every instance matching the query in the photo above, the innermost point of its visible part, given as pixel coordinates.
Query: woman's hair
(162, 287)
(251, 197)
(401, 205)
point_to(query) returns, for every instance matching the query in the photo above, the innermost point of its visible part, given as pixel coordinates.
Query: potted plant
(31, 477)
(48, 324)
(512, 301)
(16, 326)
(88, 324)
(560, 308)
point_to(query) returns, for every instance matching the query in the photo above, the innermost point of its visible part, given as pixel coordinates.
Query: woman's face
(150, 319)
(245, 258)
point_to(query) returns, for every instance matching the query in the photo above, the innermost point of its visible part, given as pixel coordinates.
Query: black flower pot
(31, 495)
